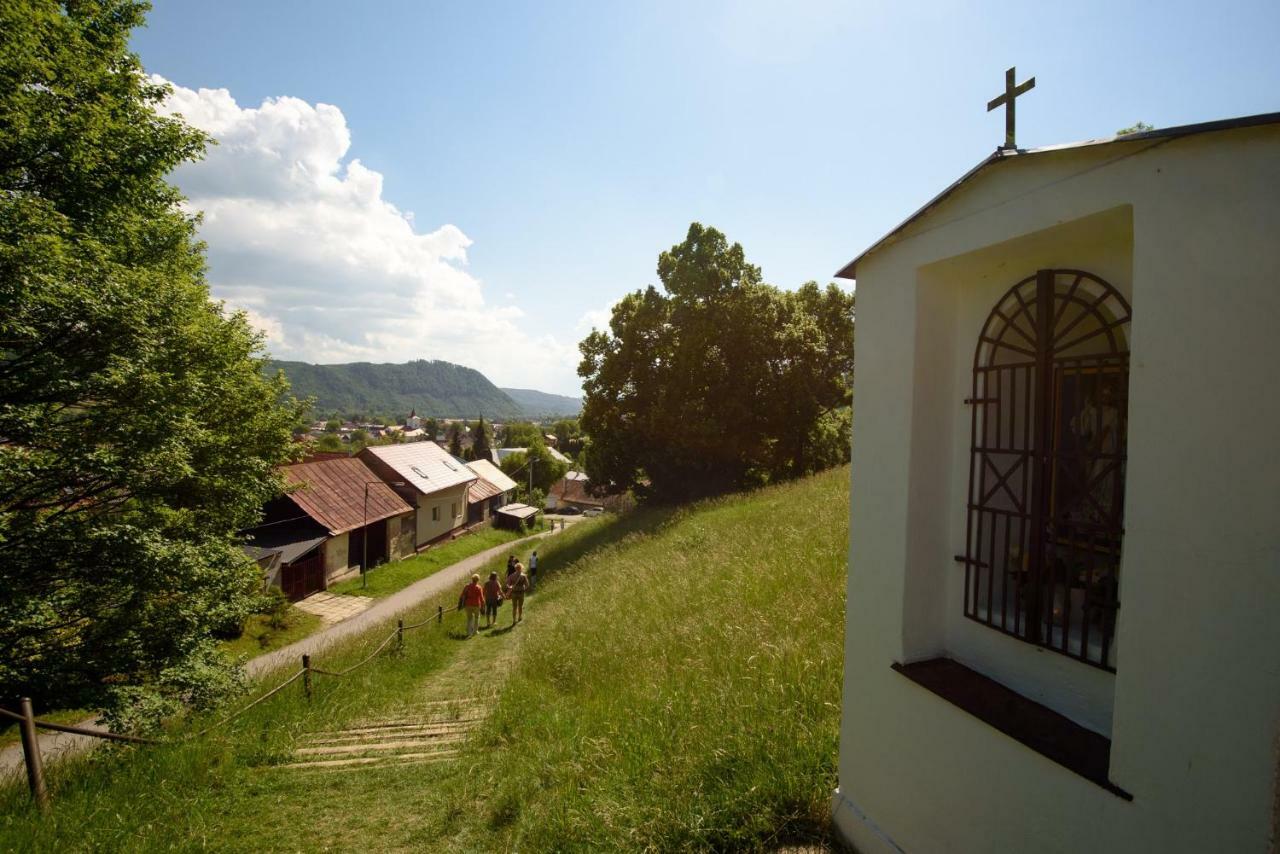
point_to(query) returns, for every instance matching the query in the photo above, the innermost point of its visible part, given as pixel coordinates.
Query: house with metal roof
(491, 490)
(430, 479)
(500, 454)
(337, 518)
(1060, 627)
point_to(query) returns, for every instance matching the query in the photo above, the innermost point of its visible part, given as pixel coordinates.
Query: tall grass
(674, 686)
(686, 696)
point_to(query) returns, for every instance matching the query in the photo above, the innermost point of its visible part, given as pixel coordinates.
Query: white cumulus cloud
(301, 238)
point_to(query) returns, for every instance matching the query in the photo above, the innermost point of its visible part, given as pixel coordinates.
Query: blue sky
(566, 144)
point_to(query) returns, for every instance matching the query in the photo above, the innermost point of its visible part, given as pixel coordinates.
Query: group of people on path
(486, 598)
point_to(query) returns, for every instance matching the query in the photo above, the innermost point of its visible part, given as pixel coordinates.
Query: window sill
(1038, 727)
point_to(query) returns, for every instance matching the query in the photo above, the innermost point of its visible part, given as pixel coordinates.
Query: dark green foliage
(455, 439)
(138, 428)
(274, 605)
(482, 436)
(329, 443)
(569, 439)
(719, 383)
(522, 434)
(546, 471)
(538, 404)
(1136, 127)
(441, 388)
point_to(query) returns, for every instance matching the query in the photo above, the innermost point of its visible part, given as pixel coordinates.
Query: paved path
(55, 745)
(444, 581)
(333, 607)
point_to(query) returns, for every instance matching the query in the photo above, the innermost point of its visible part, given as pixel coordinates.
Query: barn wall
(336, 557)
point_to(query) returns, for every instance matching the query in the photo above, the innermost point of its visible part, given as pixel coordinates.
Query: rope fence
(28, 723)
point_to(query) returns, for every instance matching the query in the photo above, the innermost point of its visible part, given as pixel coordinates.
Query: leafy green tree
(455, 440)
(546, 469)
(1136, 127)
(719, 381)
(138, 428)
(329, 443)
(522, 434)
(568, 433)
(333, 425)
(482, 435)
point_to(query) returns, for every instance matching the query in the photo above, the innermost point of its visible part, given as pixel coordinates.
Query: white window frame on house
(435, 513)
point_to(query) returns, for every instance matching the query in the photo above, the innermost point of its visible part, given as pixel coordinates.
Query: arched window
(1046, 472)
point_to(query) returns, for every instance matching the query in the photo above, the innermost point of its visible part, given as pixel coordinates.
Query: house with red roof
(338, 517)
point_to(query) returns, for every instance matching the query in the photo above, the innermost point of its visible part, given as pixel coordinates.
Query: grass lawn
(261, 637)
(675, 686)
(396, 575)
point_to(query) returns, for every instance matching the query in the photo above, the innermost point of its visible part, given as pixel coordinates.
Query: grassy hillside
(536, 403)
(436, 389)
(675, 686)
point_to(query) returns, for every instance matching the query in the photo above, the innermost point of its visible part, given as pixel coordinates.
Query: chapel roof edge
(850, 270)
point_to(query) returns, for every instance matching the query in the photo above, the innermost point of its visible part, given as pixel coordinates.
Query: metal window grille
(1046, 472)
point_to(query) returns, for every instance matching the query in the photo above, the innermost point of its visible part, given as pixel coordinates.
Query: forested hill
(435, 389)
(542, 403)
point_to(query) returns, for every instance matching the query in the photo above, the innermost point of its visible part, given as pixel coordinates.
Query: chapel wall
(1194, 705)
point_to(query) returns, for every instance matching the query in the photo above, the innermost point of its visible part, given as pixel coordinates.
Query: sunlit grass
(261, 636)
(397, 575)
(676, 687)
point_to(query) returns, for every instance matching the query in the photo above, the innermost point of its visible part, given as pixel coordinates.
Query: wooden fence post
(439, 613)
(31, 752)
(400, 634)
(306, 676)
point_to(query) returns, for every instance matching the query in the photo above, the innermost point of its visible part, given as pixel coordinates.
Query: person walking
(492, 599)
(519, 584)
(472, 600)
(533, 571)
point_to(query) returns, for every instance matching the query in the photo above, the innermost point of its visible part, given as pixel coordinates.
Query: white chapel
(1063, 621)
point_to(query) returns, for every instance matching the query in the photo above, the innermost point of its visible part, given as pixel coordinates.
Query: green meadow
(675, 685)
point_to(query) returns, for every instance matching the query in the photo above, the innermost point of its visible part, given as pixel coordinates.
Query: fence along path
(428, 726)
(28, 722)
(29, 752)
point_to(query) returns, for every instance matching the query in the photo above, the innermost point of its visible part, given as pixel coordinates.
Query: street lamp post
(364, 531)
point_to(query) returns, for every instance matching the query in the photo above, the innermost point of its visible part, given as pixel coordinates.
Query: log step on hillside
(434, 734)
(387, 733)
(379, 746)
(367, 761)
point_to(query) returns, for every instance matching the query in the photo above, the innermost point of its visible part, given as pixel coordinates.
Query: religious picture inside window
(1089, 437)
(1087, 495)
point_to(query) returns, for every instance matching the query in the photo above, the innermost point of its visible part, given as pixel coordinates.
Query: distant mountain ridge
(544, 403)
(434, 388)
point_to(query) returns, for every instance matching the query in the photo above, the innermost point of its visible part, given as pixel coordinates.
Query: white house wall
(1192, 710)
(454, 497)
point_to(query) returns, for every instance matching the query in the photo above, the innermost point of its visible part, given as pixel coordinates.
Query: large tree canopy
(718, 383)
(138, 430)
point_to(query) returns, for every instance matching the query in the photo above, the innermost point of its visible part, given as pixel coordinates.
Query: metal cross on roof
(1007, 99)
